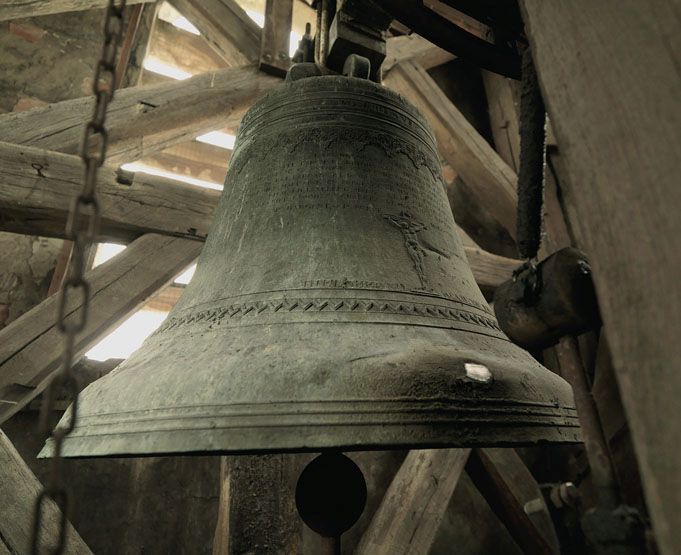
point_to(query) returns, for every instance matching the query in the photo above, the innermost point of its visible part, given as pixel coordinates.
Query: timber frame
(633, 239)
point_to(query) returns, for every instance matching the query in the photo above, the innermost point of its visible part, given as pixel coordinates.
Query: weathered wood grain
(226, 27)
(502, 94)
(31, 347)
(415, 504)
(183, 50)
(413, 48)
(38, 186)
(490, 180)
(610, 77)
(19, 489)
(192, 159)
(143, 120)
(15, 9)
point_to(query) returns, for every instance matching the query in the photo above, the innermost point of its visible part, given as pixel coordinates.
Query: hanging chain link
(81, 228)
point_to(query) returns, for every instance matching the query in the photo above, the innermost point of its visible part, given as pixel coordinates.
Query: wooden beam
(503, 94)
(415, 504)
(19, 488)
(460, 19)
(302, 13)
(192, 159)
(144, 120)
(226, 27)
(413, 48)
(491, 182)
(183, 50)
(36, 188)
(31, 346)
(16, 9)
(490, 270)
(489, 470)
(274, 48)
(610, 80)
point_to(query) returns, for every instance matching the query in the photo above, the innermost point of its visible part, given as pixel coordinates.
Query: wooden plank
(37, 186)
(490, 180)
(502, 96)
(460, 19)
(415, 504)
(31, 346)
(413, 48)
(19, 488)
(184, 50)
(610, 78)
(276, 33)
(193, 159)
(15, 9)
(525, 489)
(487, 469)
(226, 27)
(144, 120)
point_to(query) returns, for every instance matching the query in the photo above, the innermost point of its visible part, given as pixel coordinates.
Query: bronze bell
(332, 307)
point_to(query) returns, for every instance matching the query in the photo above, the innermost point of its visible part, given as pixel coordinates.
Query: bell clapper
(330, 497)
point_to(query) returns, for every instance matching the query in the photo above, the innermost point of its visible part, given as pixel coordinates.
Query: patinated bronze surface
(332, 307)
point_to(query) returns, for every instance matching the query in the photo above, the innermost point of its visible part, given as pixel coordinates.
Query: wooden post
(610, 80)
(274, 49)
(257, 512)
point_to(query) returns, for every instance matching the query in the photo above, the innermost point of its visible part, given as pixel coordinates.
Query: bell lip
(502, 436)
(576, 439)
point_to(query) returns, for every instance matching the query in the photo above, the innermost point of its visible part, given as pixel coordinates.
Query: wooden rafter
(192, 159)
(37, 187)
(31, 346)
(16, 9)
(144, 120)
(183, 50)
(226, 27)
(415, 49)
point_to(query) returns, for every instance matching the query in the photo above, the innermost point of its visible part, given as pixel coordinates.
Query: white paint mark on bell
(478, 372)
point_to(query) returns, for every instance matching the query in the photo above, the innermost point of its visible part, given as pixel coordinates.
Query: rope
(532, 158)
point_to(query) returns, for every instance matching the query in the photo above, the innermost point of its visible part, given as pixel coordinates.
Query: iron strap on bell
(332, 306)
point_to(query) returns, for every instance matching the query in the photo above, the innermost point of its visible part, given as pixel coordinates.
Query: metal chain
(81, 228)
